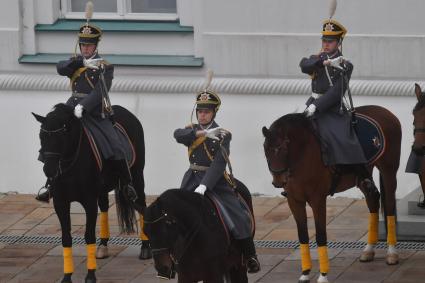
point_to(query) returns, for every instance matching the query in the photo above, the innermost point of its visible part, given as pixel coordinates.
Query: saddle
(128, 146)
(218, 208)
(370, 136)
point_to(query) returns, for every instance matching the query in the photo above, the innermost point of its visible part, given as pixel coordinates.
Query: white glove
(336, 62)
(214, 133)
(201, 189)
(78, 111)
(92, 63)
(310, 110)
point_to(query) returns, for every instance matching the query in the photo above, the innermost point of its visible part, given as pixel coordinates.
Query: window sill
(117, 26)
(121, 60)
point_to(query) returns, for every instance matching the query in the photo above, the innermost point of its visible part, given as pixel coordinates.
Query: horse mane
(420, 104)
(289, 122)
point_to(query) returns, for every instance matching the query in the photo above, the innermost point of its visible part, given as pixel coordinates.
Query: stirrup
(41, 196)
(252, 264)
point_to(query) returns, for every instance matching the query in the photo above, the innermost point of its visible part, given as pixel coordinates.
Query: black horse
(188, 237)
(74, 175)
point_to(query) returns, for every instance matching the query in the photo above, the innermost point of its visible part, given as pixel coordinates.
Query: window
(122, 9)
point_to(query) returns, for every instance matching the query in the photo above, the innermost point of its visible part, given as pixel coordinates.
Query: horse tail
(125, 212)
(383, 200)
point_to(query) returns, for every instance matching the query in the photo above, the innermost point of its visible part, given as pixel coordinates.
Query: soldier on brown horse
(332, 147)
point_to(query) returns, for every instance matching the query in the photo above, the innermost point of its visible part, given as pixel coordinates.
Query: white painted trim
(127, 16)
(277, 34)
(221, 85)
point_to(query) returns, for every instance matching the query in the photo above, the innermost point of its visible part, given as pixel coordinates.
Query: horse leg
(372, 201)
(90, 238)
(139, 185)
(237, 275)
(319, 212)
(102, 249)
(388, 183)
(421, 204)
(300, 215)
(62, 210)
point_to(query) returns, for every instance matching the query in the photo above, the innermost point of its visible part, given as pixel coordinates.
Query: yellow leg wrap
(391, 237)
(323, 259)
(91, 256)
(372, 237)
(142, 235)
(104, 225)
(68, 264)
(305, 257)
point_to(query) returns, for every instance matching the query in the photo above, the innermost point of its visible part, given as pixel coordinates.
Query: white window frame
(120, 15)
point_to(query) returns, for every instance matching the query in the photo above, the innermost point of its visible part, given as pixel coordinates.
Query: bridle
(50, 154)
(276, 150)
(171, 250)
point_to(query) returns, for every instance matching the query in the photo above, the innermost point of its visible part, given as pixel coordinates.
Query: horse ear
(418, 91)
(266, 132)
(39, 118)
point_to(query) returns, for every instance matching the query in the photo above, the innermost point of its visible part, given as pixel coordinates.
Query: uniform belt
(198, 167)
(316, 95)
(79, 95)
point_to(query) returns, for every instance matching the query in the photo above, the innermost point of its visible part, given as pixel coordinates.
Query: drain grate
(126, 241)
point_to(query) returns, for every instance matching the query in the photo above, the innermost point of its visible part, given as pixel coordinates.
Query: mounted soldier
(208, 148)
(334, 117)
(90, 81)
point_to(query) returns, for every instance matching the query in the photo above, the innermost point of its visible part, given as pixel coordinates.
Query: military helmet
(333, 30)
(207, 98)
(89, 33)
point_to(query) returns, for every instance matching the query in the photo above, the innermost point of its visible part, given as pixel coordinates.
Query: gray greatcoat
(236, 214)
(414, 163)
(339, 141)
(88, 82)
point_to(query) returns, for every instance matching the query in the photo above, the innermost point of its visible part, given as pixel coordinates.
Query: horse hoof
(145, 253)
(322, 279)
(102, 252)
(367, 256)
(67, 278)
(304, 279)
(392, 259)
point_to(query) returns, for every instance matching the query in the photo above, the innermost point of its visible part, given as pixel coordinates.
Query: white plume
(208, 79)
(332, 8)
(89, 10)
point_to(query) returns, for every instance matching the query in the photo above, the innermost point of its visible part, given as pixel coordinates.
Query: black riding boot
(365, 178)
(125, 179)
(46, 195)
(249, 255)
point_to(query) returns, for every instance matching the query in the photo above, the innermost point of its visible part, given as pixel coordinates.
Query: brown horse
(416, 162)
(294, 158)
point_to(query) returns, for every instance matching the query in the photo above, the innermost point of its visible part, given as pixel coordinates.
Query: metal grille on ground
(125, 241)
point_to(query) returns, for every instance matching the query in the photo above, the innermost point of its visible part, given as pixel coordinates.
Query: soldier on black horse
(332, 116)
(208, 149)
(90, 80)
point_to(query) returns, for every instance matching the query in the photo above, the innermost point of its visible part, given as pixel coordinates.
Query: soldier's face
(87, 50)
(205, 116)
(329, 46)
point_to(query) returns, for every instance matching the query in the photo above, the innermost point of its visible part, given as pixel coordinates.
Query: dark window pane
(101, 6)
(153, 6)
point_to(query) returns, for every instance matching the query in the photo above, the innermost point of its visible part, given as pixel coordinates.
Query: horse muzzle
(51, 166)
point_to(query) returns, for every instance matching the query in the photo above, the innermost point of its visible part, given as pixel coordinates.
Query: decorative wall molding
(26, 82)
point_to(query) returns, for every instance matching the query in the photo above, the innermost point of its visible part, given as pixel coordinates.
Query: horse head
(172, 222)
(284, 143)
(419, 122)
(276, 147)
(58, 134)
